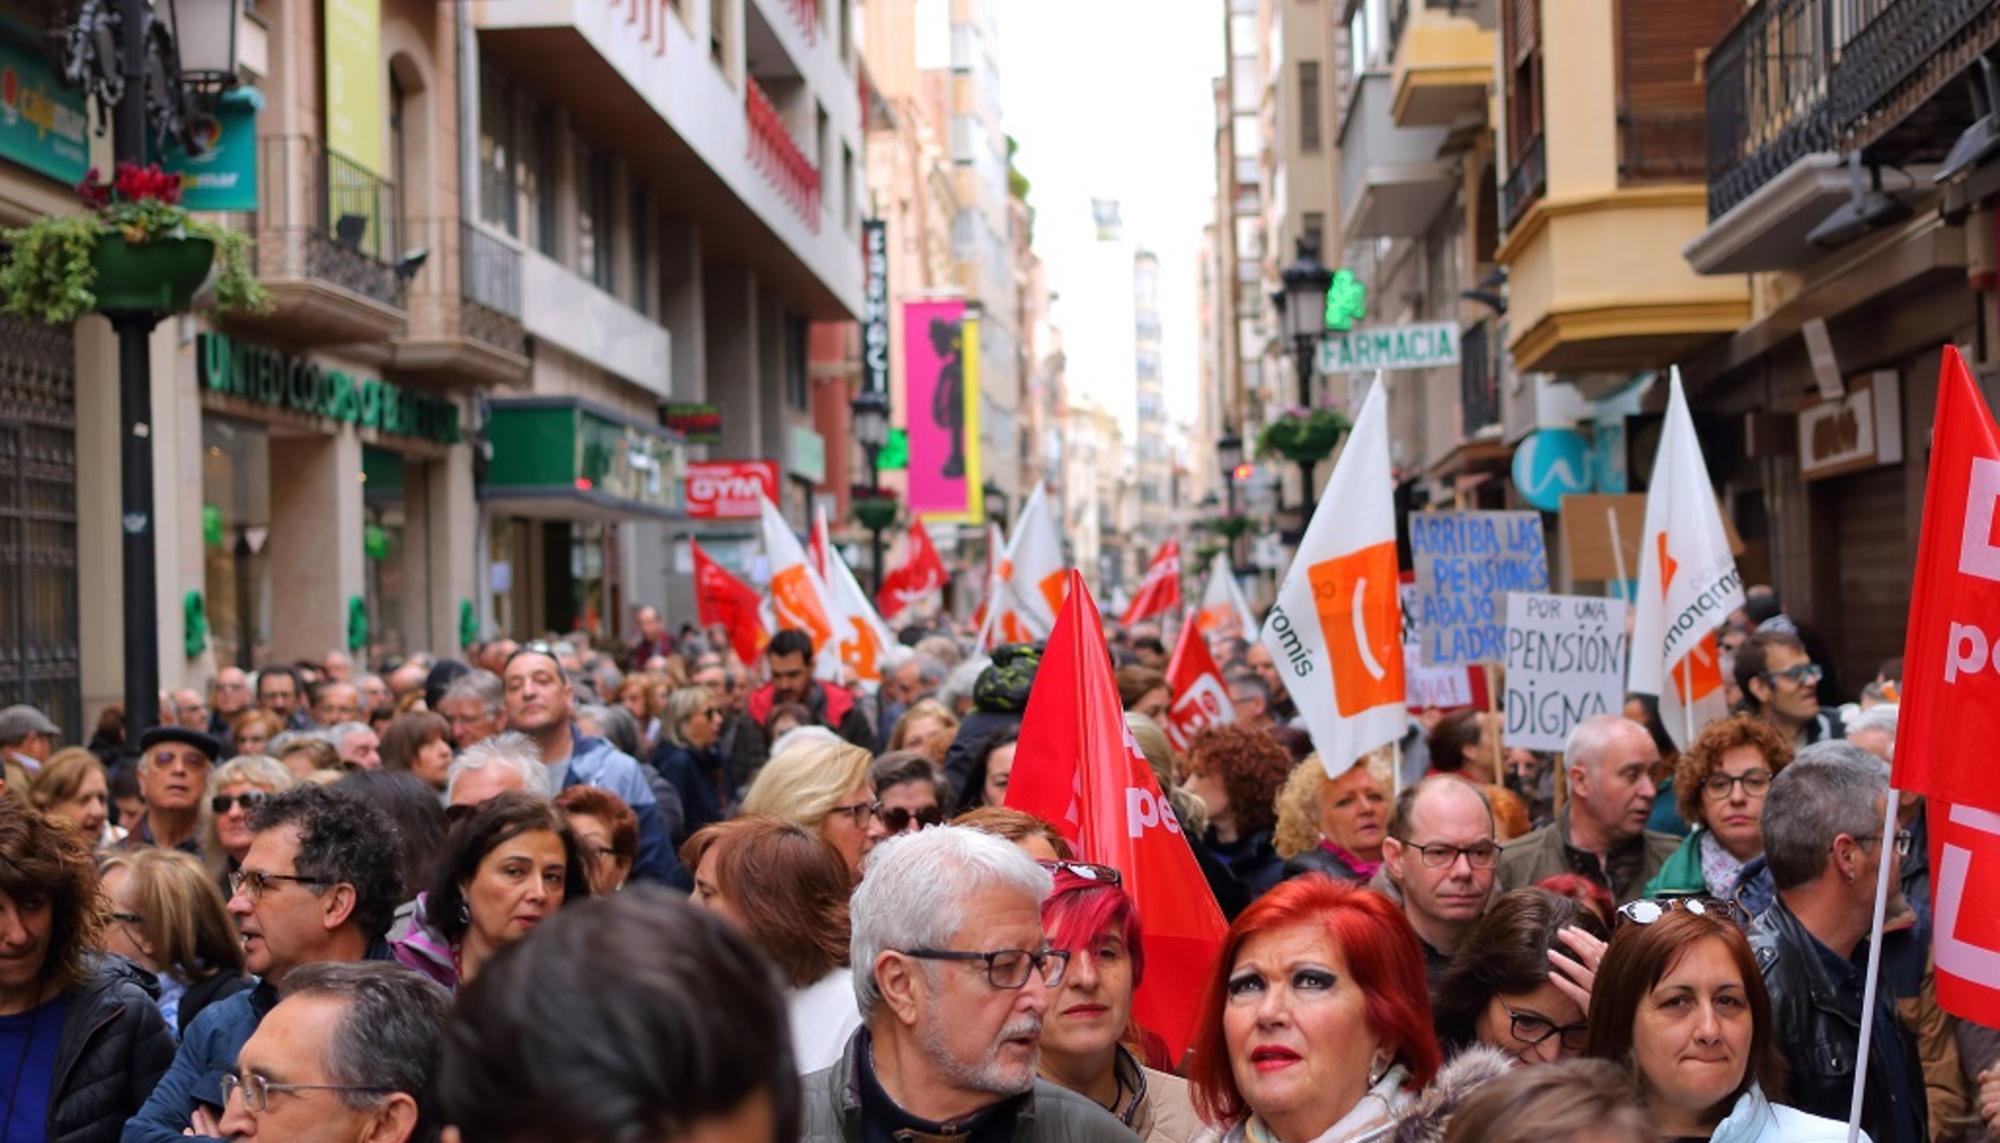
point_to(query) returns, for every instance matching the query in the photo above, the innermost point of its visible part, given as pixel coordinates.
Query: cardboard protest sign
(1565, 663)
(1466, 563)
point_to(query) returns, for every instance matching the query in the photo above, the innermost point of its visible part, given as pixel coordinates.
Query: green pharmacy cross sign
(1346, 301)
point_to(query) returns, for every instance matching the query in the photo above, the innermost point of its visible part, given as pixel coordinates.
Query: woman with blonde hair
(1334, 826)
(927, 719)
(690, 726)
(234, 789)
(641, 693)
(303, 752)
(167, 915)
(823, 786)
(73, 787)
(253, 731)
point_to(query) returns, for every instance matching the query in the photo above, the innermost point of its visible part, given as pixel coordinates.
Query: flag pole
(1617, 551)
(1687, 699)
(1874, 967)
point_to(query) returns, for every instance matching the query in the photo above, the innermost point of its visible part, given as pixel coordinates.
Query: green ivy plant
(49, 275)
(1304, 436)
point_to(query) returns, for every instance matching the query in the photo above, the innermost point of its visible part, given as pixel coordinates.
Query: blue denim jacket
(595, 762)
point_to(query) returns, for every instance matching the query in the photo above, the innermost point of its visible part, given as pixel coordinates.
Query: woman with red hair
(1316, 1025)
(1088, 1027)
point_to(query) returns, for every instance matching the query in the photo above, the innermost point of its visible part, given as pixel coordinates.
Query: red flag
(920, 574)
(1078, 768)
(724, 599)
(1160, 592)
(1200, 699)
(1951, 692)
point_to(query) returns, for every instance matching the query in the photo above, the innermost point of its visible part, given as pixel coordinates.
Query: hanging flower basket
(136, 250)
(1206, 552)
(876, 513)
(1304, 436)
(1232, 527)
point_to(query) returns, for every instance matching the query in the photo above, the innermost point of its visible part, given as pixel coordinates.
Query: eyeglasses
(1007, 968)
(1718, 786)
(1438, 855)
(249, 800)
(1646, 910)
(896, 819)
(1102, 874)
(1804, 674)
(257, 1091)
(1532, 1028)
(858, 813)
(1902, 841)
(252, 883)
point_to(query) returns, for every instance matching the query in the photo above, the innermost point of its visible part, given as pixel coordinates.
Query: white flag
(1031, 580)
(1224, 611)
(1335, 630)
(860, 637)
(1688, 584)
(799, 597)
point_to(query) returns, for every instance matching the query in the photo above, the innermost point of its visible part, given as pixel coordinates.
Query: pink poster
(941, 388)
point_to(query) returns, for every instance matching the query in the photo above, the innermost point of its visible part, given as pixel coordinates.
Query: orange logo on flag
(1055, 586)
(797, 605)
(1355, 595)
(1703, 663)
(859, 652)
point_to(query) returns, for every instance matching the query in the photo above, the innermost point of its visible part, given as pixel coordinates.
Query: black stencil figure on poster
(948, 399)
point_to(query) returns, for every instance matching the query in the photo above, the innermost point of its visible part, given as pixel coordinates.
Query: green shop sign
(560, 450)
(268, 377)
(43, 125)
(224, 175)
(1425, 345)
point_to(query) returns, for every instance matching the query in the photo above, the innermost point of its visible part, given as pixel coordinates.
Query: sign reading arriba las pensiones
(1425, 345)
(264, 375)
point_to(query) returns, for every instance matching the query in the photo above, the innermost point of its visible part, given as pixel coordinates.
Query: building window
(593, 216)
(497, 155)
(1309, 133)
(1313, 227)
(399, 169)
(642, 250)
(718, 32)
(847, 187)
(798, 390)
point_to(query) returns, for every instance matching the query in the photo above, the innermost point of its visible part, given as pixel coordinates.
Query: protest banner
(1565, 663)
(1466, 563)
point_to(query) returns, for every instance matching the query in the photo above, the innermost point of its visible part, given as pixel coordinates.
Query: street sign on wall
(1425, 345)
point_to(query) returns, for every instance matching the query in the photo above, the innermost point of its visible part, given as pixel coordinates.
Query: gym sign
(268, 377)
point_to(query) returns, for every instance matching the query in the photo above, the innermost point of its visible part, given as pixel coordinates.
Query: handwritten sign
(1565, 663)
(1467, 562)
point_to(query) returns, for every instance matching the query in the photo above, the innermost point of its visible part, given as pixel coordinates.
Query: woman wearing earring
(504, 870)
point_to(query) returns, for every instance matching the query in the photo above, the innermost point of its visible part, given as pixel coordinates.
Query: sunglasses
(896, 819)
(250, 800)
(1102, 874)
(1646, 910)
(1804, 674)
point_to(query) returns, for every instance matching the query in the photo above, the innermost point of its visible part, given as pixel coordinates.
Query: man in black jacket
(1823, 841)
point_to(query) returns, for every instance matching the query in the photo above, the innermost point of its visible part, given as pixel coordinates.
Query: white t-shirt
(824, 1016)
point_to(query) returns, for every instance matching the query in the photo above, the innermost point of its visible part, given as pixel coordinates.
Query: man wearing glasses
(350, 1055)
(954, 975)
(1780, 685)
(1439, 861)
(319, 884)
(174, 764)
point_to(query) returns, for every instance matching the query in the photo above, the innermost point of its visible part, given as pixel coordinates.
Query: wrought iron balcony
(774, 152)
(1767, 97)
(464, 304)
(329, 235)
(1525, 183)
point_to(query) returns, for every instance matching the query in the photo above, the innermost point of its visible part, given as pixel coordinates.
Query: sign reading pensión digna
(1425, 345)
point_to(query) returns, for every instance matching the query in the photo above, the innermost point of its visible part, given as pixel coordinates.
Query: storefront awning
(564, 458)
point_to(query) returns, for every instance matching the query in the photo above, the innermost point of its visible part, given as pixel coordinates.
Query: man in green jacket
(1601, 831)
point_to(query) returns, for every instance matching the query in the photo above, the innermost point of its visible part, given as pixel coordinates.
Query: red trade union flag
(1951, 692)
(1200, 699)
(1160, 592)
(1078, 768)
(724, 599)
(920, 574)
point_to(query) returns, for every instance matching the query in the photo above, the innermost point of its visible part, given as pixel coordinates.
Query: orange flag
(1078, 768)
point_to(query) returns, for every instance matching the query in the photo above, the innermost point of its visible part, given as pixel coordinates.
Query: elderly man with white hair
(953, 974)
(1601, 832)
(506, 762)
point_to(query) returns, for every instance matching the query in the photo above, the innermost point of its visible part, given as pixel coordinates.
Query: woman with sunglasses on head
(1720, 783)
(686, 756)
(1520, 982)
(823, 785)
(786, 887)
(166, 915)
(1088, 1031)
(1679, 1000)
(233, 789)
(912, 795)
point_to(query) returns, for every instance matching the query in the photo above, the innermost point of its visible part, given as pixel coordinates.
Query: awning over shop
(563, 458)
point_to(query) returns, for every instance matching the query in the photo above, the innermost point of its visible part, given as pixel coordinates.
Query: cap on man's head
(206, 743)
(19, 721)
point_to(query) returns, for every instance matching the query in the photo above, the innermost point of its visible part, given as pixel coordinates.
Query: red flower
(137, 184)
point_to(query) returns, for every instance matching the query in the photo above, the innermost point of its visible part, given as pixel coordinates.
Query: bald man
(1601, 833)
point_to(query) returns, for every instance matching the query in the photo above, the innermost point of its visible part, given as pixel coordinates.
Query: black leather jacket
(114, 1048)
(1819, 1032)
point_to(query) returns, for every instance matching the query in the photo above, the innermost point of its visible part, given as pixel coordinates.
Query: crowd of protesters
(550, 891)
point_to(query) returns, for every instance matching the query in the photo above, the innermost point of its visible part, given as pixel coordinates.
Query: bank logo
(1978, 555)
(1355, 596)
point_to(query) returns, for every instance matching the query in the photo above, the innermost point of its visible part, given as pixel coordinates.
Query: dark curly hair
(342, 840)
(1253, 768)
(497, 820)
(1705, 757)
(1505, 952)
(43, 861)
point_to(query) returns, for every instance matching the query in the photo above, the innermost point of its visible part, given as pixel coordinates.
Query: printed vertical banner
(941, 385)
(875, 306)
(354, 81)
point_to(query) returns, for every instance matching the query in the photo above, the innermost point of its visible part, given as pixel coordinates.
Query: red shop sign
(727, 489)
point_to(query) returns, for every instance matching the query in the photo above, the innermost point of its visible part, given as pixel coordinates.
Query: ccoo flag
(1335, 631)
(1078, 768)
(920, 574)
(1200, 699)
(1224, 611)
(799, 596)
(860, 636)
(1951, 693)
(1688, 583)
(1028, 584)
(721, 598)
(1160, 592)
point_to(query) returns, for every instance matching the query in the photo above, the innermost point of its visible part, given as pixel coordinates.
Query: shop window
(236, 533)
(394, 579)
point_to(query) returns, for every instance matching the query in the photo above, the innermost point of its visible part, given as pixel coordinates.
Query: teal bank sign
(269, 377)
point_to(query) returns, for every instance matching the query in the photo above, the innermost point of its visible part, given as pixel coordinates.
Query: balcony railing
(774, 152)
(1661, 146)
(806, 12)
(321, 215)
(1525, 183)
(1767, 96)
(1399, 18)
(1896, 54)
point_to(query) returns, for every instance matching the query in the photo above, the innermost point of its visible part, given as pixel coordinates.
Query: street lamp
(1303, 310)
(140, 71)
(871, 430)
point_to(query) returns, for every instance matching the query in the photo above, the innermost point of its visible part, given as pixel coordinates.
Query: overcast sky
(1112, 99)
